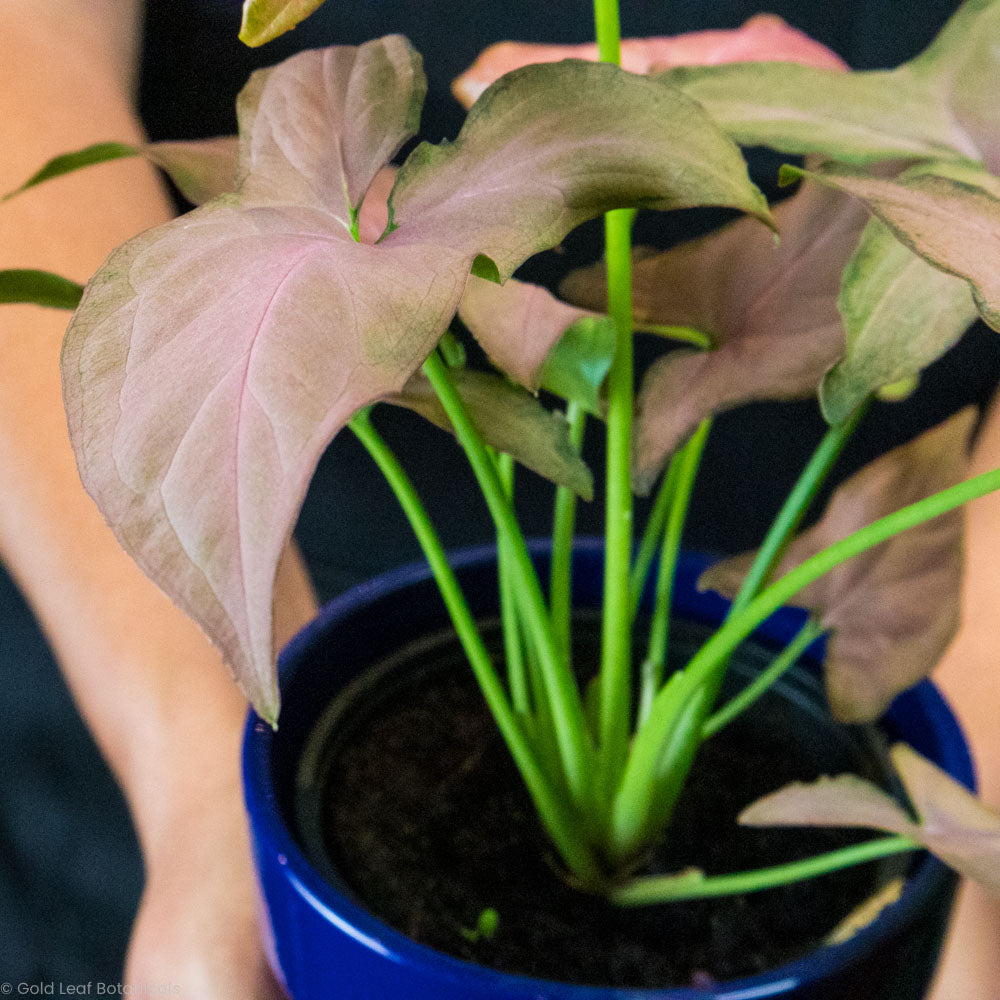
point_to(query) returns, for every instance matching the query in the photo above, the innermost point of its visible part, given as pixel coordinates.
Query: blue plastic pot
(325, 946)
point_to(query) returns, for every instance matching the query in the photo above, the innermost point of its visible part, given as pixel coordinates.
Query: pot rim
(352, 919)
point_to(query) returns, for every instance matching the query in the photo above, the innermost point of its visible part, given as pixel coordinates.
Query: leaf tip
(789, 174)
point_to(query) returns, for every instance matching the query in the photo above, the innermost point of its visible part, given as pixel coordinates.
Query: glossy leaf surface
(894, 609)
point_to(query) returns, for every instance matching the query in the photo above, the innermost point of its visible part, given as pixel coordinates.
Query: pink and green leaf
(951, 822)
(540, 341)
(212, 359)
(900, 314)
(940, 104)
(894, 609)
(762, 37)
(948, 214)
(511, 420)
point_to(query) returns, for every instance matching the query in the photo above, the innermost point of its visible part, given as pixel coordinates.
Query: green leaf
(511, 420)
(912, 580)
(900, 314)
(265, 20)
(68, 162)
(952, 823)
(540, 341)
(579, 363)
(40, 288)
(950, 217)
(202, 169)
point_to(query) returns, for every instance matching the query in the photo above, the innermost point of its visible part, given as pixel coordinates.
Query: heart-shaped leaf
(941, 104)
(893, 609)
(952, 823)
(762, 37)
(40, 288)
(212, 359)
(202, 169)
(511, 420)
(950, 216)
(770, 311)
(900, 314)
(527, 323)
(265, 20)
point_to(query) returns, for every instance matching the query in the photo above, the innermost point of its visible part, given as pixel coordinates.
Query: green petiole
(697, 885)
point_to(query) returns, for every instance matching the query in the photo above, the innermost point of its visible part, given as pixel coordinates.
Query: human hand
(197, 925)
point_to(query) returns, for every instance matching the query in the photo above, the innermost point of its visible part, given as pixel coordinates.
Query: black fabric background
(70, 873)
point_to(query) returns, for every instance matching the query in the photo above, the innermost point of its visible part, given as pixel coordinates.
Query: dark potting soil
(427, 821)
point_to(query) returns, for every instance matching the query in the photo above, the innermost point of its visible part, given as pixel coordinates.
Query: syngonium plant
(212, 359)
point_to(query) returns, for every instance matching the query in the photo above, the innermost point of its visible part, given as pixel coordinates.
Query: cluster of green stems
(604, 775)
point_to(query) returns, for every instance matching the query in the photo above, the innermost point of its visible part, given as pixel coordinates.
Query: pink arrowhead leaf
(948, 214)
(212, 359)
(764, 37)
(952, 822)
(771, 312)
(265, 20)
(893, 609)
(956, 826)
(521, 322)
(511, 420)
(940, 104)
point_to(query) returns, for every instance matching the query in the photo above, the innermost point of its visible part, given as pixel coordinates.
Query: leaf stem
(689, 458)
(510, 620)
(809, 632)
(652, 535)
(563, 525)
(795, 506)
(556, 814)
(575, 747)
(697, 885)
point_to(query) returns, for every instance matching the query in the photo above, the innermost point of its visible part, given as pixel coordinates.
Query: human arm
(969, 676)
(161, 705)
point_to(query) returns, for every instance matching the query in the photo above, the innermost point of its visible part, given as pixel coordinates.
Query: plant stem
(575, 748)
(563, 525)
(616, 637)
(652, 534)
(794, 508)
(656, 656)
(696, 885)
(809, 632)
(556, 814)
(511, 622)
(701, 677)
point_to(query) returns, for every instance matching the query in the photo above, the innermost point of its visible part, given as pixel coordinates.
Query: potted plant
(311, 284)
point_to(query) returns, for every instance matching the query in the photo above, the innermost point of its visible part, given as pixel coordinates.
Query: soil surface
(427, 821)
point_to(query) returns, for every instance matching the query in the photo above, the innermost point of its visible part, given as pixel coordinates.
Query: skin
(154, 692)
(158, 699)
